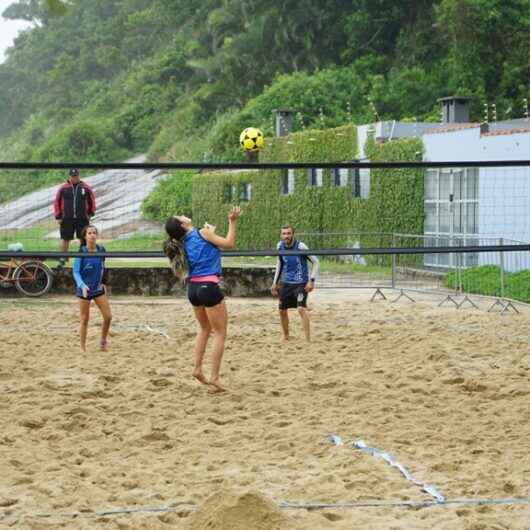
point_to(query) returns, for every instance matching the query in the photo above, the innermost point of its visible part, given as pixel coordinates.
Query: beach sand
(445, 391)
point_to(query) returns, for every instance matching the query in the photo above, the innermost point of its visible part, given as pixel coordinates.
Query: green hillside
(106, 79)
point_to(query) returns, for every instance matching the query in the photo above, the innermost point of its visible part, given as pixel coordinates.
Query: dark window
(245, 191)
(339, 177)
(314, 176)
(229, 193)
(287, 184)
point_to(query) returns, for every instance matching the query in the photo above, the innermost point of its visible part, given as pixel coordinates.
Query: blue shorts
(91, 295)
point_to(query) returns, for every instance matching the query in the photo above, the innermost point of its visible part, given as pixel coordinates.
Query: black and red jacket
(77, 202)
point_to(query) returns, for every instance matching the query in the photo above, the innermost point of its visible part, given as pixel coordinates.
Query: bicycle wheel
(33, 278)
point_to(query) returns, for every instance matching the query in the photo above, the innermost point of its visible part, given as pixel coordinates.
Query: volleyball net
(401, 225)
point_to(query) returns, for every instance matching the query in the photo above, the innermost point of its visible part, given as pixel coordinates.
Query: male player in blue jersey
(296, 282)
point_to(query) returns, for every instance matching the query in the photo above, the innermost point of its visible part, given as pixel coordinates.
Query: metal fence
(457, 277)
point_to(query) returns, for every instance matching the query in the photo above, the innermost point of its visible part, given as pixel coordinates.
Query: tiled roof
(507, 131)
(451, 127)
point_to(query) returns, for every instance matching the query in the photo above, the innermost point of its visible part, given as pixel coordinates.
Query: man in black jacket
(73, 206)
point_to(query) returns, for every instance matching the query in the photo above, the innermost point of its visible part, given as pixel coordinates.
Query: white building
(477, 205)
(468, 206)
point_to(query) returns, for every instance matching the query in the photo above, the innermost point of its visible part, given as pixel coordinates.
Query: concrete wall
(250, 282)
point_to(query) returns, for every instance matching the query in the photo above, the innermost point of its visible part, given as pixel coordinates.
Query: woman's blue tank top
(203, 258)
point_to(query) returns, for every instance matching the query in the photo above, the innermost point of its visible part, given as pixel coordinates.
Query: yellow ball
(251, 139)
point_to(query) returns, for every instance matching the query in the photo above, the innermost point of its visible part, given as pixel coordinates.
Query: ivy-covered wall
(395, 202)
(396, 195)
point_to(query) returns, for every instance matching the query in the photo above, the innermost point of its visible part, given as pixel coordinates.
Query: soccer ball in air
(251, 139)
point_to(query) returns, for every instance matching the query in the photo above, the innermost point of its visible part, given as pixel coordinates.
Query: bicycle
(30, 276)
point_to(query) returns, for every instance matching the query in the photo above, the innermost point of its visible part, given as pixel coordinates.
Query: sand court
(445, 391)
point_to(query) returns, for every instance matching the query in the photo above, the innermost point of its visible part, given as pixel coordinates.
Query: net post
(501, 265)
(459, 288)
(393, 283)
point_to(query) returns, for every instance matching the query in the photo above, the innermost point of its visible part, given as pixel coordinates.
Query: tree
(37, 11)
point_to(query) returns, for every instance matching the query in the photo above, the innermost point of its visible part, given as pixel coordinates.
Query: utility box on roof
(455, 109)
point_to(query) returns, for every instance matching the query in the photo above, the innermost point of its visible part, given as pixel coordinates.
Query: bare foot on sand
(216, 387)
(200, 377)
(285, 339)
(103, 345)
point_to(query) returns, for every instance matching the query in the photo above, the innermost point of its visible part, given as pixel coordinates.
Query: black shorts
(206, 294)
(292, 295)
(69, 226)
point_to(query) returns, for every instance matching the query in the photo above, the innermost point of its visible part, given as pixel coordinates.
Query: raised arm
(229, 240)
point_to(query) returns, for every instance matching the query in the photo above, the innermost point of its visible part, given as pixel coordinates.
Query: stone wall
(255, 281)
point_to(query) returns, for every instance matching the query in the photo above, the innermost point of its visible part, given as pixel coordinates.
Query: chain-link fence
(455, 276)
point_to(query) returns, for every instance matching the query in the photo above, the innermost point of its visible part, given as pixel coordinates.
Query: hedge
(395, 203)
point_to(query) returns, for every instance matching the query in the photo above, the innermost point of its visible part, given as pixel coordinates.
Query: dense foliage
(332, 207)
(105, 79)
(170, 197)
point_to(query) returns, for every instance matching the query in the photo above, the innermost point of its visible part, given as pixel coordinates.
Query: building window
(229, 193)
(361, 181)
(339, 177)
(364, 183)
(314, 176)
(451, 206)
(288, 182)
(356, 182)
(245, 191)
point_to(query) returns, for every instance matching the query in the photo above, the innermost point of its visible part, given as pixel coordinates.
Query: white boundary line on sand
(389, 459)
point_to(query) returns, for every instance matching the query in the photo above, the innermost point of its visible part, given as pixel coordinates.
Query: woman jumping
(88, 275)
(198, 251)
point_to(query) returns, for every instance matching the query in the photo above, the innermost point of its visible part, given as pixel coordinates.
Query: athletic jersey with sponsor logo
(88, 272)
(293, 268)
(204, 259)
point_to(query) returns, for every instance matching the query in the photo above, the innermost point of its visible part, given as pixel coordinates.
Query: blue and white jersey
(293, 269)
(88, 272)
(204, 259)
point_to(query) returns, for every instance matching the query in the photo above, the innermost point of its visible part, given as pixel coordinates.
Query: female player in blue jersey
(88, 276)
(198, 251)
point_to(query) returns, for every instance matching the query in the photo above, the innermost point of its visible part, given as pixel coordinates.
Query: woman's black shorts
(205, 294)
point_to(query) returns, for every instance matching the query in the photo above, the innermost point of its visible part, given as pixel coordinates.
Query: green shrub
(395, 202)
(171, 196)
(486, 280)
